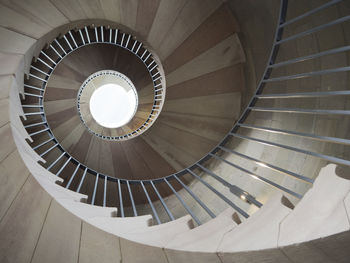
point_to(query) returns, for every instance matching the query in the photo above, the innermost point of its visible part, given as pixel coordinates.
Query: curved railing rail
(72, 41)
(234, 134)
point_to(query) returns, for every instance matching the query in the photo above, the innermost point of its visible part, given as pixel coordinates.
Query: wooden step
(121, 225)
(200, 244)
(85, 211)
(139, 242)
(322, 211)
(259, 231)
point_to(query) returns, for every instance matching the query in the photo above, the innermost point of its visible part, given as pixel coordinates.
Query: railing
(72, 41)
(237, 133)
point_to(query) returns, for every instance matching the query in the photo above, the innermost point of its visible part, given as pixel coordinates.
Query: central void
(112, 105)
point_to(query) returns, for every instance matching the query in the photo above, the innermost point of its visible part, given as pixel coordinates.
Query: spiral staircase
(238, 150)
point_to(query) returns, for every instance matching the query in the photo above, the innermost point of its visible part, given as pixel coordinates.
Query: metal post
(72, 177)
(105, 192)
(131, 198)
(82, 180)
(163, 203)
(120, 199)
(150, 203)
(183, 203)
(59, 158)
(95, 190)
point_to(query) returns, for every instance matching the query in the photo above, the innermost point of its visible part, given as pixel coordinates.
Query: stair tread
(160, 235)
(84, 210)
(321, 212)
(205, 237)
(121, 225)
(260, 230)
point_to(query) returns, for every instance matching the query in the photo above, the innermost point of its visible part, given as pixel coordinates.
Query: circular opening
(112, 105)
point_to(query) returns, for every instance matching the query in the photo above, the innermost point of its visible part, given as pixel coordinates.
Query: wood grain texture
(53, 240)
(18, 237)
(217, 27)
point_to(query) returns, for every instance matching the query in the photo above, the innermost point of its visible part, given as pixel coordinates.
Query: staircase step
(259, 231)
(205, 237)
(321, 212)
(121, 225)
(86, 210)
(150, 241)
(160, 235)
(200, 244)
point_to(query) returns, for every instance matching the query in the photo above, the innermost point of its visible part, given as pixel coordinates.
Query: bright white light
(112, 106)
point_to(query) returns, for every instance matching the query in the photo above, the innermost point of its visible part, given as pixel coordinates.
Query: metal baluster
(71, 35)
(147, 57)
(322, 156)
(120, 199)
(183, 203)
(268, 165)
(53, 62)
(72, 177)
(102, 36)
(39, 70)
(34, 124)
(151, 204)
(133, 46)
(303, 94)
(105, 192)
(47, 65)
(116, 36)
(313, 11)
(308, 74)
(87, 35)
(65, 164)
(81, 36)
(212, 215)
(144, 53)
(65, 38)
(233, 188)
(138, 48)
(238, 209)
(82, 180)
(95, 190)
(96, 34)
(43, 143)
(57, 53)
(34, 113)
(32, 95)
(127, 42)
(53, 164)
(167, 210)
(301, 134)
(312, 56)
(131, 198)
(153, 67)
(304, 111)
(48, 150)
(258, 177)
(121, 43)
(34, 76)
(58, 43)
(150, 64)
(38, 132)
(315, 29)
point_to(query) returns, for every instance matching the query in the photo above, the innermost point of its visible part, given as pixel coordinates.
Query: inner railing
(288, 98)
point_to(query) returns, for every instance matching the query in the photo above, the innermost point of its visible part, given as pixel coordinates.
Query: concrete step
(85, 211)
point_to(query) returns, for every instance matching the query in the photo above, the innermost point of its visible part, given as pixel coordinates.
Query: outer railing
(234, 134)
